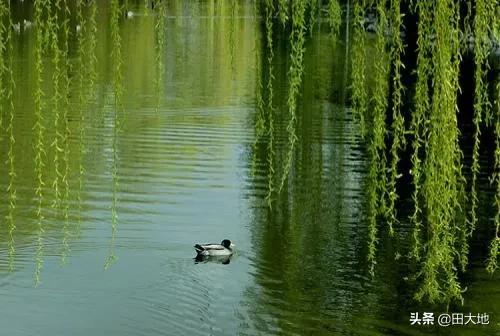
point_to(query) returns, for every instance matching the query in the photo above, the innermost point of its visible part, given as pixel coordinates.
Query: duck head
(227, 244)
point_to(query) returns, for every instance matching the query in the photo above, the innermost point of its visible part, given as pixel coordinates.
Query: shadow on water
(225, 260)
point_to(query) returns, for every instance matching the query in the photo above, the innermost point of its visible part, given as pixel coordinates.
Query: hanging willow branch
(283, 11)
(260, 120)
(11, 188)
(297, 40)
(334, 17)
(118, 92)
(65, 81)
(160, 27)
(418, 127)
(483, 21)
(81, 58)
(39, 130)
(3, 13)
(398, 126)
(313, 11)
(443, 180)
(56, 100)
(359, 94)
(492, 263)
(269, 106)
(376, 147)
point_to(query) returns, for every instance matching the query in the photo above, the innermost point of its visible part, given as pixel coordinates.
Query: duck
(225, 248)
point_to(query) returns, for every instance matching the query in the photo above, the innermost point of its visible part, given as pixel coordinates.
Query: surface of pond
(189, 170)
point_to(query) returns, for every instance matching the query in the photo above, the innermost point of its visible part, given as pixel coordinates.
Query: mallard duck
(225, 248)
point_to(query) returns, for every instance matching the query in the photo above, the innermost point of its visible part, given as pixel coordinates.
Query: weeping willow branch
(313, 11)
(443, 179)
(259, 122)
(3, 29)
(283, 10)
(295, 79)
(11, 188)
(420, 114)
(270, 109)
(81, 57)
(334, 17)
(376, 147)
(87, 60)
(65, 94)
(492, 263)
(483, 20)
(56, 100)
(397, 127)
(118, 91)
(39, 130)
(160, 27)
(234, 11)
(359, 94)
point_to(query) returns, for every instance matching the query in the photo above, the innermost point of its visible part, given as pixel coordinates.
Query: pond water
(190, 170)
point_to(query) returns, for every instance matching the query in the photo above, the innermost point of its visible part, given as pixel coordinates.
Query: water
(190, 171)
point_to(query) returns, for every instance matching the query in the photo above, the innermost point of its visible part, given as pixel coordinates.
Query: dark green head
(227, 243)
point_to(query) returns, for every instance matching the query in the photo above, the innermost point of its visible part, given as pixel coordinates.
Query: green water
(189, 169)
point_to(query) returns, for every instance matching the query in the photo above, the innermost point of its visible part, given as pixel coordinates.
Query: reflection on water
(225, 260)
(161, 155)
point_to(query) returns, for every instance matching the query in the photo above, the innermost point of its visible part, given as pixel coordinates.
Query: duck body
(225, 248)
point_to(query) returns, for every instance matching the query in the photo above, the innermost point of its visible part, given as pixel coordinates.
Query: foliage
(295, 73)
(39, 130)
(397, 127)
(359, 95)
(483, 23)
(334, 17)
(11, 187)
(376, 146)
(421, 106)
(443, 180)
(492, 263)
(160, 27)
